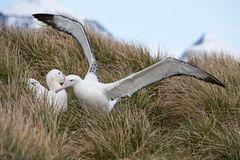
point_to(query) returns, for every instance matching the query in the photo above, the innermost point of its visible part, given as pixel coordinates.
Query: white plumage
(53, 79)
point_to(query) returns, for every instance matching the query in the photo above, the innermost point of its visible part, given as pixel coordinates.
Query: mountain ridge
(19, 15)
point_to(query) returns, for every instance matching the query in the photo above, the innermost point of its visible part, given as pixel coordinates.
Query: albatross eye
(71, 80)
(59, 73)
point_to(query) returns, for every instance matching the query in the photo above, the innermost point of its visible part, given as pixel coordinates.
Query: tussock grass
(178, 118)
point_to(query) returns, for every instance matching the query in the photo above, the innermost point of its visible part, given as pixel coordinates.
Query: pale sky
(171, 24)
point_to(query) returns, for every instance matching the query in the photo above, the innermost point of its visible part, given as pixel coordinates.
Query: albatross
(104, 96)
(54, 79)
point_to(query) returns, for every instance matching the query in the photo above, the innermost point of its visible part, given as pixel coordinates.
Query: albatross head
(70, 81)
(55, 75)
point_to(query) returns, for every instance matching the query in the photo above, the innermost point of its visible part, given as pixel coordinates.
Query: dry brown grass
(178, 118)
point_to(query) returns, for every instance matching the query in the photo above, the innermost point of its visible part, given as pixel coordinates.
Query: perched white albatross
(53, 79)
(104, 96)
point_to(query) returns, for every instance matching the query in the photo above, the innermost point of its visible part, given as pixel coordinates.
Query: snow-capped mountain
(19, 14)
(28, 7)
(208, 44)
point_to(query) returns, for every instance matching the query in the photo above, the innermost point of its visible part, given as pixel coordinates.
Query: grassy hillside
(178, 118)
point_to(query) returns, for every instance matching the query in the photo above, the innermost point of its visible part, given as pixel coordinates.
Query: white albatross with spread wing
(104, 96)
(53, 79)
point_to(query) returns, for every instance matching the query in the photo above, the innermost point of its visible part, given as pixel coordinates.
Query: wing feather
(159, 71)
(75, 29)
(37, 89)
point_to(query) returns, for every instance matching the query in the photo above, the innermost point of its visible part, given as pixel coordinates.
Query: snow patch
(208, 44)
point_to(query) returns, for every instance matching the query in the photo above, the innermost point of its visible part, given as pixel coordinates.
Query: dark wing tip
(43, 16)
(209, 78)
(214, 80)
(46, 18)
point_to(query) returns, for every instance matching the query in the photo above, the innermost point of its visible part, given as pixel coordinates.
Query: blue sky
(173, 25)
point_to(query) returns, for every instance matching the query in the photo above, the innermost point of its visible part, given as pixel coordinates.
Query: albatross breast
(91, 94)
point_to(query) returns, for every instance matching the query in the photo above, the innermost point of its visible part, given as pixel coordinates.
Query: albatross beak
(64, 78)
(64, 85)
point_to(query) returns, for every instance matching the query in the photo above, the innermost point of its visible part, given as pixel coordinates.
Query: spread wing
(75, 29)
(159, 71)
